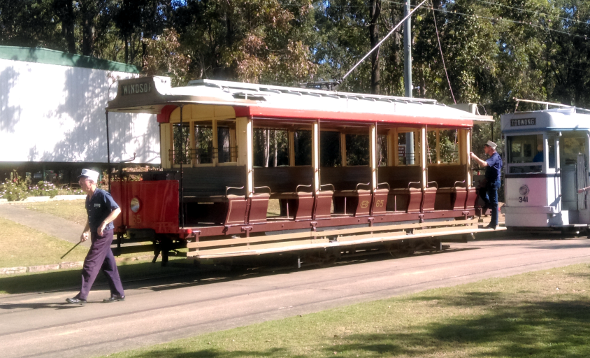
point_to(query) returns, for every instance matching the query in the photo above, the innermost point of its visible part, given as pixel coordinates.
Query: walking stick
(70, 250)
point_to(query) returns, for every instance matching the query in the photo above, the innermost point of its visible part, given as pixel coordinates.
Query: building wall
(54, 113)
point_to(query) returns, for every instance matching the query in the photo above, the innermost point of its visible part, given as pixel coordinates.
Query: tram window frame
(276, 134)
(401, 160)
(527, 143)
(434, 141)
(192, 142)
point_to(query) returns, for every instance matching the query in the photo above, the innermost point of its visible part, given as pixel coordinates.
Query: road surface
(42, 325)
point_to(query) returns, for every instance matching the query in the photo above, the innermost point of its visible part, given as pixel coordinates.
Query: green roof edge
(53, 57)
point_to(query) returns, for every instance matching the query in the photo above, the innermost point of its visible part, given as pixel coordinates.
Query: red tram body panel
(155, 207)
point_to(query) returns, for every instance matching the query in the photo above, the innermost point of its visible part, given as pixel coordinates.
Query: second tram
(547, 168)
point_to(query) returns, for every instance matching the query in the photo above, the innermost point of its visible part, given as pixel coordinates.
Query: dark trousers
(490, 197)
(100, 257)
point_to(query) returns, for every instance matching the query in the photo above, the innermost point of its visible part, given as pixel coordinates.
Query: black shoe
(490, 227)
(114, 298)
(76, 300)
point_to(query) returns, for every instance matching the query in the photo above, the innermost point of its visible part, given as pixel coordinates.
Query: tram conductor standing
(493, 167)
(102, 210)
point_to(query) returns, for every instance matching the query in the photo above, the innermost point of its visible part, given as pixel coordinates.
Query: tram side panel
(532, 201)
(147, 205)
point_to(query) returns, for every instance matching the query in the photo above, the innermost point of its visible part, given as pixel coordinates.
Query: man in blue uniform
(493, 167)
(102, 211)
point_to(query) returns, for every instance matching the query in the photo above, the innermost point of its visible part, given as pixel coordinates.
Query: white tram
(546, 168)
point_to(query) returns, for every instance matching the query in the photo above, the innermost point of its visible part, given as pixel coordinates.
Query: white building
(52, 112)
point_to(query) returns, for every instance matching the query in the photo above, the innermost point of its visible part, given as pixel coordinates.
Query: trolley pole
(408, 76)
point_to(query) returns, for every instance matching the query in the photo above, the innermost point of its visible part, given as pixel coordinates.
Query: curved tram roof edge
(152, 94)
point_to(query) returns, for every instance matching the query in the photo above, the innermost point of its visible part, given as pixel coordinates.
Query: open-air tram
(546, 168)
(358, 172)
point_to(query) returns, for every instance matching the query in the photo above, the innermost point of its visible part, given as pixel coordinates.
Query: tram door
(574, 176)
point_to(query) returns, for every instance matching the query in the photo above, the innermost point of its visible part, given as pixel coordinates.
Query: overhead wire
(441, 54)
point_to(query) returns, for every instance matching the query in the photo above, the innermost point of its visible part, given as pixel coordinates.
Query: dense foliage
(494, 50)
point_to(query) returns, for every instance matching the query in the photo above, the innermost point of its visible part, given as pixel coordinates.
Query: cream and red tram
(211, 197)
(546, 168)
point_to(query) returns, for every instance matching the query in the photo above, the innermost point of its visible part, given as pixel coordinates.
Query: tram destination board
(523, 122)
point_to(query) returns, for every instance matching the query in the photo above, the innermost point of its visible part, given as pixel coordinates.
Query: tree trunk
(374, 35)
(87, 9)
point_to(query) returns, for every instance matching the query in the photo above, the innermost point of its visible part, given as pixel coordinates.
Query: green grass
(23, 246)
(72, 210)
(538, 314)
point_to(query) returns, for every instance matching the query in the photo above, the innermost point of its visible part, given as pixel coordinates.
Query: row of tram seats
(314, 170)
(277, 168)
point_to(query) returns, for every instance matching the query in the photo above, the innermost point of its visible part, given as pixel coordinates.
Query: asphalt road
(42, 325)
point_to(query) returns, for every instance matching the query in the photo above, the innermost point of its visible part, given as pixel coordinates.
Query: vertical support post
(291, 148)
(437, 131)
(315, 156)
(182, 147)
(468, 155)
(192, 143)
(108, 152)
(343, 149)
(249, 144)
(423, 149)
(215, 154)
(393, 147)
(374, 155)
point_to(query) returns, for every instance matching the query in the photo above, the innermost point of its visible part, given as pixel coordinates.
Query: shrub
(43, 188)
(15, 189)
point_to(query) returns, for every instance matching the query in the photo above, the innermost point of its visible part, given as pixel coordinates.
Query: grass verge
(23, 246)
(537, 314)
(72, 210)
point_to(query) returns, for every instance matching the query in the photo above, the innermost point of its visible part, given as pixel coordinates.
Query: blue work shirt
(494, 168)
(98, 207)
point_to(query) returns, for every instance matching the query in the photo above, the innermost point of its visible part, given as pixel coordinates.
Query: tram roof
(153, 94)
(555, 119)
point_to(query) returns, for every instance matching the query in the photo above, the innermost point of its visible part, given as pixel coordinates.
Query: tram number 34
(523, 199)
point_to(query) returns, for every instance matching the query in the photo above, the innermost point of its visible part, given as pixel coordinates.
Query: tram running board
(259, 245)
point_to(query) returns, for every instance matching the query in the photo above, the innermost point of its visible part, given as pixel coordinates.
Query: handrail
(386, 183)
(262, 187)
(357, 186)
(435, 183)
(302, 185)
(413, 182)
(458, 182)
(227, 188)
(332, 185)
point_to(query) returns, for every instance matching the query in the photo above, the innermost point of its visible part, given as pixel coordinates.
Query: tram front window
(523, 150)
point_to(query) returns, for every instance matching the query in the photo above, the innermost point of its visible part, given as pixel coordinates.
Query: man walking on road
(102, 211)
(493, 167)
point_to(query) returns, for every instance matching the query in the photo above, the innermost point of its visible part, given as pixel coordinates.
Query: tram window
(522, 149)
(302, 147)
(271, 147)
(330, 155)
(404, 156)
(180, 153)
(227, 151)
(357, 149)
(203, 143)
(381, 150)
(447, 150)
(570, 148)
(551, 144)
